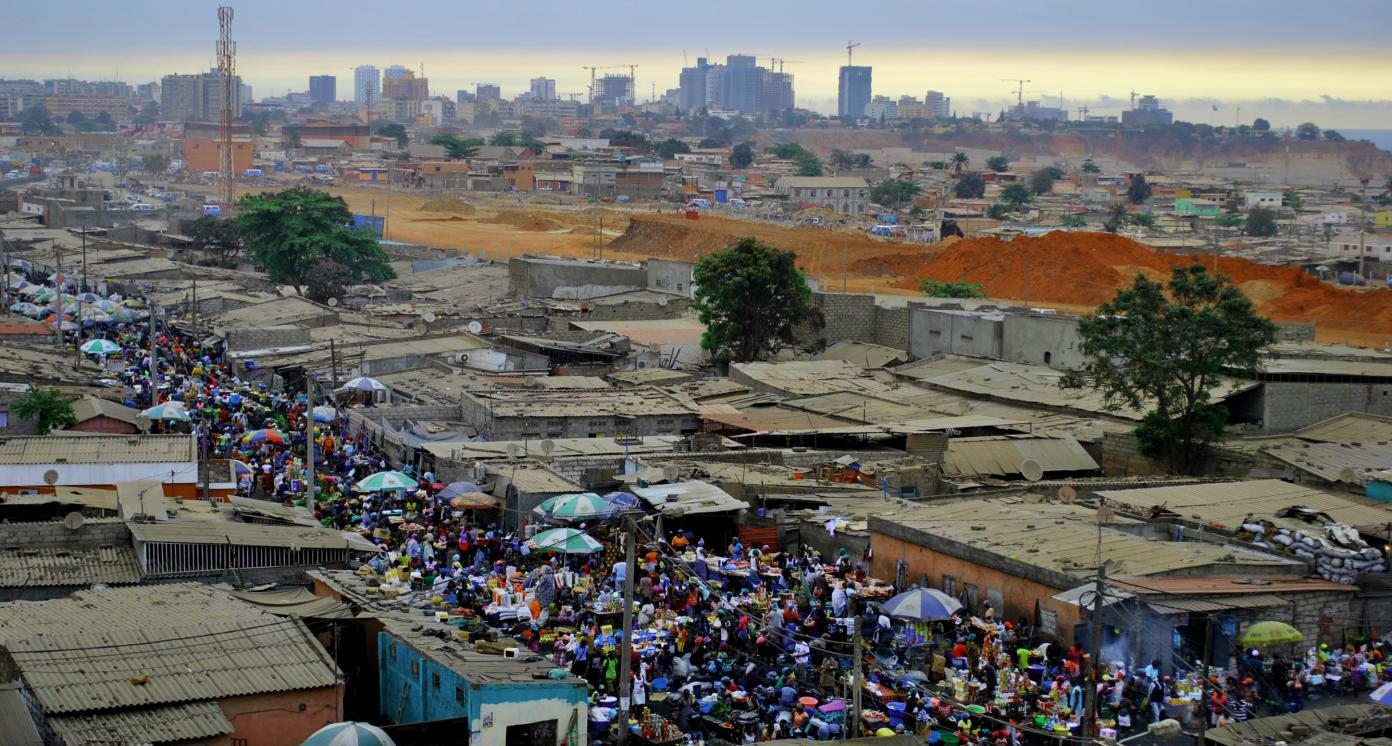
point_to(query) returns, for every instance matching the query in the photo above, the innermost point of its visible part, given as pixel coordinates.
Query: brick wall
(1293, 405)
(1321, 617)
(847, 316)
(94, 533)
(892, 326)
(261, 338)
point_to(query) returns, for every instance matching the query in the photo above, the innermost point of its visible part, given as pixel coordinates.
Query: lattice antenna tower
(227, 71)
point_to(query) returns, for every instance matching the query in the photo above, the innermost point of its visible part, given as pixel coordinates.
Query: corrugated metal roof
(1225, 504)
(1318, 367)
(297, 602)
(1214, 603)
(19, 728)
(1231, 586)
(767, 419)
(1352, 427)
(136, 646)
(1063, 539)
(537, 480)
(1334, 462)
(561, 447)
(1001, 456)
(84, 449)
(864, 354)
(88, 497)
(183, 722)
(688, 498)
(39, 567)
(238, 534)
(1360, 718)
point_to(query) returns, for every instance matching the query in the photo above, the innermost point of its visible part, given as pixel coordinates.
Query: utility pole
(333, 366)
(309, 438)
(193, 311)
(154, 361)
(845, 261)
(857, 661)
(1203, 677)
(58, 299)
(1363, 225)
(84, 259)
(1104, 516)
(626, 649)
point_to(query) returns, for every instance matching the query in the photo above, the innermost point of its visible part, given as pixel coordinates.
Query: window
(392, 653)
(415, 667)
(949, 585)
(435, 679)
(459, 694)
(4, 419)
(973, 595)
(1048, 357)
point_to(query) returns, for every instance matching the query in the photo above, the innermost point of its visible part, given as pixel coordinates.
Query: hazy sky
(1288, 61)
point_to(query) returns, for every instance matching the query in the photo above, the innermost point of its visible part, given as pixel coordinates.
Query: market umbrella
(566, 540)
(123, 315)
(1383, 694)
(921, 605)
(473, 501)
(575, 506)
(386, 480)
(1262, 634)
(455, 489)
(620, 502)
(349, 734)
(325, 414)
(241, 467)
(363, 384)
(101, 347)
(170, 411)
(23, 307)
(93, 314)
(265, 435)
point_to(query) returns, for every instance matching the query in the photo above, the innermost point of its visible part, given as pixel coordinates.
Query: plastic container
(950, 739)
(895, 710)
(660, 685)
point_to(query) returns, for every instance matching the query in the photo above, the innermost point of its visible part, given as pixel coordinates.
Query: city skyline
(1286, 63)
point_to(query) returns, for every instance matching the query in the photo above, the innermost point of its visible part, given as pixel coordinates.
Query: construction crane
(631, 77)
(781, 62)
(227, 68)
(1019, 91)
(850, 45)
(1133, 99)
(1082, 113)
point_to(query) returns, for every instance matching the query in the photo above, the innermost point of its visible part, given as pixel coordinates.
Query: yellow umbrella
(1262, 634)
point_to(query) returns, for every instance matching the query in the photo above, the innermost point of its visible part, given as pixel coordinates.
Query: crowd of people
(743, 643)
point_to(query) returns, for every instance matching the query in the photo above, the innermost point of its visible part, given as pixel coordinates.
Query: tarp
(296, 602)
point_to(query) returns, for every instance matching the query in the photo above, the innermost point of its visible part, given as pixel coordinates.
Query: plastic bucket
(895, 710)
(659, 685)
(950, 739)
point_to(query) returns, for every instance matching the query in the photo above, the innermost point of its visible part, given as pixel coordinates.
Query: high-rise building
(614, 89)
(394, 72)
(1147, 111)
(738, 85)
(199, 98)
(406, 87)
(367, 84)
(853, 91)
(323, 89)
(544, 89)
(692, 83)
(778, 92)
(488, 92)
(743, 89)
(70, 87)
(148, 91)
(247, 98)
(938, 104)
(464, 97)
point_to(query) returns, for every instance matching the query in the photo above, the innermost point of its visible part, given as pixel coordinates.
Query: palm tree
(959, 162)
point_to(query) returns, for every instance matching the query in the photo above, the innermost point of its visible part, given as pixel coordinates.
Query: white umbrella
(363, 384)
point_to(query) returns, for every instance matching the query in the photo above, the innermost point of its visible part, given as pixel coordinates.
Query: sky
(1283, 60)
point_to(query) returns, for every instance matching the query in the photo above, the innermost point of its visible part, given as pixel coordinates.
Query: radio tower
(227, 67)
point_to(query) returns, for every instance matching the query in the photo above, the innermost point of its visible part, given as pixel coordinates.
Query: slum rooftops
(1225, 504)
(89, 407)
(1061, 541)
(116, 649)
(82, 449)
(864, 354)
(560, 447)
(643, 402)
(1006, 456)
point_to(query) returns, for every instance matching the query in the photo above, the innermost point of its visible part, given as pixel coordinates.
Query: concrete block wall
(847, 316)
(1293, 405)
(1321, 617)
(261, 338)
(892, 326)
(1120, 457)
(93, 533)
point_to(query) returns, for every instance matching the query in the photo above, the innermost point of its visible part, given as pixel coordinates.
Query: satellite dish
(1031, 470)
(513, 450)
(669, 473)
(428, 317)
(475, 327)
(963, 407)
(73, 521)
(1347, 475)
(333, 302)
(1067, 494)
(1105, 515)
(51, 477)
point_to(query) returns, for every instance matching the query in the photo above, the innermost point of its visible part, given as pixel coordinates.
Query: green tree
(960, 161)
(294, 139)
(1138, 190)
(1091, 167)
(154, 163)
(1291, 198)
(960, 289)
(1230, 221)
(36, 121)
(49, 410)
(457, 148)
(893, 193)
(505, 139)
(751, 297)
(626, 139)
(104, 122)
(1143, 219)
(808, 165)
(1042, 181)
(288, 232)
(742, 155)
(842, 160)
(1261, 222)
(1074, 221)
(1116, 217)
(397, 131)
(668, 149)
(998, 211)
(1260, 125)
(149, 113)
(1333, 136)
(998, 163)
(221, 239)
(326, 279)
(1016, 195)
(1164, 349)
(970, 186)
(1307, 131)
(787, 150)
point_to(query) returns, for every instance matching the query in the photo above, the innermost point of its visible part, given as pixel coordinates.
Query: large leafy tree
(1091, 167)
(457, 148)
(960, 162)
(1016, 195)
(1261, 222)
(49, 410)
(1138, 190)
(397, 131)
(289, 232)
(742, 155)
(893, 193)
(221, 239)
(808, 165)
(1042, 181)
(998, 163)
(751, 297)
(1163, 349)
(970, 186)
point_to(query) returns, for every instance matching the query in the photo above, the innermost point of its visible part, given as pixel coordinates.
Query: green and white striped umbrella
(349, 734)
(384, 481)
(170, 411)
(101, 347)
(566, 541)
(576, 506)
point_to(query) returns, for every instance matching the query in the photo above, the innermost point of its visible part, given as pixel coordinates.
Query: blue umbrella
(1382, 695)
(325, 414)
(349, 734)
(455, 489)
(620, 502)
(921, 605)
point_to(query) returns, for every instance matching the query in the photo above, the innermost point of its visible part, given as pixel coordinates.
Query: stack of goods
(1338, 553)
